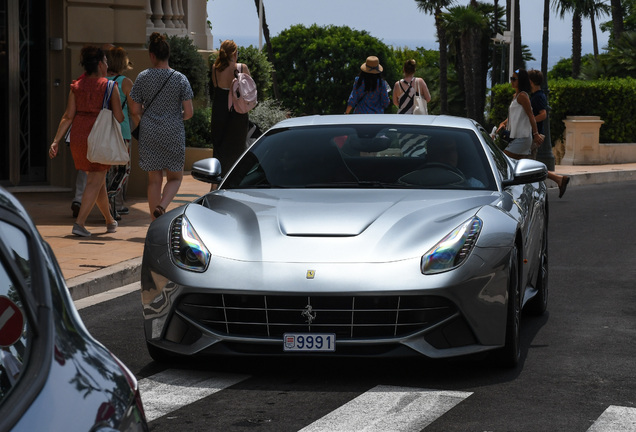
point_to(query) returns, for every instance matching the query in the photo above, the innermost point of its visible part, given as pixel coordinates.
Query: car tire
(160, 355)
(510, 354)
(539, 303)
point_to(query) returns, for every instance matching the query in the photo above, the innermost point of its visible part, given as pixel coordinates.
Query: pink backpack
(243, 93)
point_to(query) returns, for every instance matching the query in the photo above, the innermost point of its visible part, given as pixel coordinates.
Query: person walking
(520, 121)
(539, 103)
(370, 92)
(84, 104)
(229, 128)
(405, 90)
(118, 63)
(168, 97)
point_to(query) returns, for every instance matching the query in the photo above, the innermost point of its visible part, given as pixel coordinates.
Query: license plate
(309, 342)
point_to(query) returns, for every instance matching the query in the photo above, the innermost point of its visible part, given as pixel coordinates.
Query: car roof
(395, 119)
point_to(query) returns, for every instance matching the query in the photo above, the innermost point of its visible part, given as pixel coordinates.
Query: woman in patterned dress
(161, 131)
(84, 104)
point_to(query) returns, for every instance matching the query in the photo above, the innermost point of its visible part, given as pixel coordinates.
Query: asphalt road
(577, 372)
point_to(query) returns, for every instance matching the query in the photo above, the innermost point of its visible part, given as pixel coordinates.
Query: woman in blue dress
(370, 94)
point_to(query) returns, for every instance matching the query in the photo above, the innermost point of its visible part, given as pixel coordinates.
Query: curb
(105, 279)
(601, 177)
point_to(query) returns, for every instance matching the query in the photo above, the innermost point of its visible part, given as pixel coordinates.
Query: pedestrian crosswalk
(382, 408)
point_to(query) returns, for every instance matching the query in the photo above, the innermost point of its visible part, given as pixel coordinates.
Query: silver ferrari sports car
(353, 235)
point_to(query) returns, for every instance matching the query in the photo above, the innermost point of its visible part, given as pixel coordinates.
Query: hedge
(612, 100)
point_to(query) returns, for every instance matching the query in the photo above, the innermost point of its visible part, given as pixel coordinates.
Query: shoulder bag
(135, 132)
(105, 142)
(420, 105)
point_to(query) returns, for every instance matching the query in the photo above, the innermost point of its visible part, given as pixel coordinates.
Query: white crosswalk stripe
(615, 419)
(386, 408)
(172, 389)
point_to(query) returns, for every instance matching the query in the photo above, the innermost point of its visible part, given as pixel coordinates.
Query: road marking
(107, 295)
(172, 389)
(615, 419)
(387, 408)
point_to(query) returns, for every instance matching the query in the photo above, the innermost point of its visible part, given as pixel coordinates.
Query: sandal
(564, 185)
(158, 211)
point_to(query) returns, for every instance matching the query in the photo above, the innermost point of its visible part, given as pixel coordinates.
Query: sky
(396, 22)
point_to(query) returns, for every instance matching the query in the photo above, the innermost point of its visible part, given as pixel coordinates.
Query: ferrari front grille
(349, 317)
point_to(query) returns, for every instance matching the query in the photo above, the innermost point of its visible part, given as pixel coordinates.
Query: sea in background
(556, 50)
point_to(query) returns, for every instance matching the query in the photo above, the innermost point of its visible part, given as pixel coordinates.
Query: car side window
(501, 162)
(15, 271)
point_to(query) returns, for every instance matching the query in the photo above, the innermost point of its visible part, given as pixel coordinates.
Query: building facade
(39, 58)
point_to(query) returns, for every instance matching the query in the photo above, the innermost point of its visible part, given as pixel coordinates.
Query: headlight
(188, 251)
(453, 249)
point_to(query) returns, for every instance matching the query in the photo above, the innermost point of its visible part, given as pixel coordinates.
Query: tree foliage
(185, 58)
(316, 66)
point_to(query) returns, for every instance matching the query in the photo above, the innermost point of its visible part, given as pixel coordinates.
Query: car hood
(320, 225)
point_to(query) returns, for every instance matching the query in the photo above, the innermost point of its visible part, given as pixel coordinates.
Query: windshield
(364, 156)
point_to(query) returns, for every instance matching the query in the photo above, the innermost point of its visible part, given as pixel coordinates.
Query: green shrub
(502, 95)
(185, 58)
(197, 129)
(612, 100)
(267, 113)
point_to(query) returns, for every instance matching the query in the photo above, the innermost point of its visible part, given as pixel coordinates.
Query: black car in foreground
(53, 374)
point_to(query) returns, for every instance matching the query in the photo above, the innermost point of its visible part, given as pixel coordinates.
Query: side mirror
(527, 171)
(207, 170)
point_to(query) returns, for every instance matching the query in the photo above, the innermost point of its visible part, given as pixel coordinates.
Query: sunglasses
(513, 78)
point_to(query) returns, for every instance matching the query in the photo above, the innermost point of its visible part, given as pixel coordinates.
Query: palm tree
(516, 38)
(617, 18)
(545, 39)
(470, 26)
(593, 9)
(434, 7)
(575, 6)
(270, 51)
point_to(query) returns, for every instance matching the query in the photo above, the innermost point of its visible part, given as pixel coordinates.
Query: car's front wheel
(510, 354)
(539, 303)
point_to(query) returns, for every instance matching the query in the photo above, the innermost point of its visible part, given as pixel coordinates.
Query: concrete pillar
(582, 140)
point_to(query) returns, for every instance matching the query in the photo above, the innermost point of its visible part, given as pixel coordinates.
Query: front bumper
(244, 308)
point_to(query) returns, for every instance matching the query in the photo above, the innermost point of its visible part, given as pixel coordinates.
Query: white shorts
(520, 146)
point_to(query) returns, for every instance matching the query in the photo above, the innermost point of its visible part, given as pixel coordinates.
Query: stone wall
(581, 145)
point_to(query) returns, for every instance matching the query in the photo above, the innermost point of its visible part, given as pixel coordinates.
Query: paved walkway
(106, 261)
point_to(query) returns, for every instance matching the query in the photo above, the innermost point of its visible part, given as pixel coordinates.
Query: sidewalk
(103, 261)
(106, 261)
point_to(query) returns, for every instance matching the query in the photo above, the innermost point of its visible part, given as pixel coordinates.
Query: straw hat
(372, 65)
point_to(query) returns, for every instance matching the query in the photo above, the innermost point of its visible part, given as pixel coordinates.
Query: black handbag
(503, 138)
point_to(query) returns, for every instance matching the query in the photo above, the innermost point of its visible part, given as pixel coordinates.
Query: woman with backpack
(229, 127)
